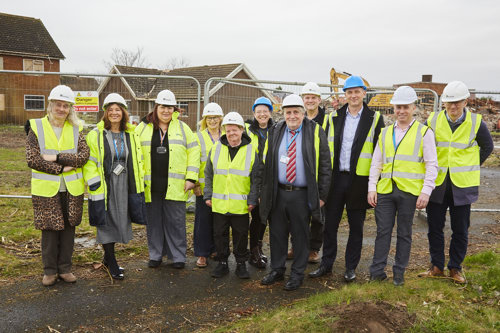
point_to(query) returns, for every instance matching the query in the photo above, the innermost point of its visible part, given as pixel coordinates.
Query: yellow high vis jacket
(45, 184)
(365, 157)
(457, 151)
(205, 143)
(405, 164)
(184, 157)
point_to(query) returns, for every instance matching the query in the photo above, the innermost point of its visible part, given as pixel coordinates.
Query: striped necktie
(290, 167)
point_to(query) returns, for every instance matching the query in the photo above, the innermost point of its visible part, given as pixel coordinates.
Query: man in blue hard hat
(356, 129)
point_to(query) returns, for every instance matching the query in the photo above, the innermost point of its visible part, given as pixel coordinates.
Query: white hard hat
(62, 93)
(311, 88)
(233, 118)
(292, 100)
(455, 91)
(114, 98)
(404, 95)
(212, 109)
(166, 97)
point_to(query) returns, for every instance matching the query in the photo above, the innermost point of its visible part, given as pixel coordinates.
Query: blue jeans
(203, 237)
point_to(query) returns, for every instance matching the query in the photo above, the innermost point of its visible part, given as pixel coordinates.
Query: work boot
(255, 258)
(49, 280)
(68, 277)
(432, 272)
(457, 276)
(220, 270)
(314, 257)
(262, 256)
(241, 271)
(289, 255)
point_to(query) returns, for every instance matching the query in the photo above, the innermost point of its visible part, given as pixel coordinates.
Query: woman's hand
(49, 157)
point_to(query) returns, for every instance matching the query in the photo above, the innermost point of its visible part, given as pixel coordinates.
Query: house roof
(80, 83)
(26, 36)
(184, 89)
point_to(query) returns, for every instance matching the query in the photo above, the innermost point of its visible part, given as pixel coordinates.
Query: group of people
(297, 176)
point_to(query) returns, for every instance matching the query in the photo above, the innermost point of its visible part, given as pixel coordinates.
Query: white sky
(384, 41)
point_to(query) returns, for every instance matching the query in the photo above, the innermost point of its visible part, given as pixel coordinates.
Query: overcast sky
(386, 42)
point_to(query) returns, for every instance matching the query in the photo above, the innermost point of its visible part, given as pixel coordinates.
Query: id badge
(161, 150)
(118, 169)
(284, 159)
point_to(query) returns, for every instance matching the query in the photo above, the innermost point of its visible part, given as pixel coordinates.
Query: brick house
(26, 45)
(140, 93)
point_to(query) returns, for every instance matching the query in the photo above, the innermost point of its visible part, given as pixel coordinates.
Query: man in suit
(356, 129)
(296, 179)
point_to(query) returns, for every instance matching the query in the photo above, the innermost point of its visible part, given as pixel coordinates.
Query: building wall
(14, 87)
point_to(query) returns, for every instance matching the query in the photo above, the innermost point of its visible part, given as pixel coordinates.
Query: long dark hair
(152, 117)
(123, 122)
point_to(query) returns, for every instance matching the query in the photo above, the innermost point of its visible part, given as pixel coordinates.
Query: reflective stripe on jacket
(365, 157)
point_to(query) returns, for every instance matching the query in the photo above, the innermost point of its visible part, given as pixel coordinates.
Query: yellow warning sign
(381, 100)
(87, 101)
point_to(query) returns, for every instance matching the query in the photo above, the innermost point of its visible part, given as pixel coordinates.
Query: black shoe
(272, 278)
(256, 258)
(292, 284)
(379, 277)
(118, 276)
(349, 275)
(321, 271)
(398, 280)
(241, 271)
(122, 270)
(154, 263)
(220, 270)
(179, 265)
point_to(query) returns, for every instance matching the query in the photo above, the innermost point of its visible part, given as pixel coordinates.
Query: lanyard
(394, 138)
(162, 136)
(210, 135)
(297, 131)
(116, 149)
(261, 132)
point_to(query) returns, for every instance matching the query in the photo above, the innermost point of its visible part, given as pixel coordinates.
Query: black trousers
(317, 229)
(334, 209)
(239, 228)
(460, 222)
(257, 228)
(290, 214)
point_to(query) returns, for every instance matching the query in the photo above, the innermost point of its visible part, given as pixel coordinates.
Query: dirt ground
(167, 299)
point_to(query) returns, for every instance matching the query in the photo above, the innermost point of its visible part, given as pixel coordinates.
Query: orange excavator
(336, 75)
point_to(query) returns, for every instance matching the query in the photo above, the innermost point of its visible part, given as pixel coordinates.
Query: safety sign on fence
(86, 101)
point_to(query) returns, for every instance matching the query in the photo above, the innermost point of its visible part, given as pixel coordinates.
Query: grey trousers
(290, 214)
(57, 248)
(166, 228)
(388, 205)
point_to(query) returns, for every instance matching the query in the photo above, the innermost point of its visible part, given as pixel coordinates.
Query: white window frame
(1, 63)
(185, 106)
(26, 98)
(25, 61)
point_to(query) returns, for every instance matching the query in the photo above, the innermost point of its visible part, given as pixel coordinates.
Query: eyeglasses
(259, 112)
(212, 118)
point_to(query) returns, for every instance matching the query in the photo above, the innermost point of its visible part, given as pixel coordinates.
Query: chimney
(427, 78)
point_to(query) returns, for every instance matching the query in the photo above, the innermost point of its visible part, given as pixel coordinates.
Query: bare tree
(176, 62)
(131, 58)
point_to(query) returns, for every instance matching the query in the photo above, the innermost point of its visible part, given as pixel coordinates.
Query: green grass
(439, 304)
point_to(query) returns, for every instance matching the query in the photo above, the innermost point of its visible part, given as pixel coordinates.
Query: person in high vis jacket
(405, 161)
(232, 190)
(257, 130)
(56, 151)
(209, 134)
(353, 133)
(463, 143)
(115, 177)
(171, 165)
(295, 183)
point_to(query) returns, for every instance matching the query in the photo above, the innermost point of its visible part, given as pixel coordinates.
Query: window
(1, 63)
(34, 102)
(184, 109)
(33, 65)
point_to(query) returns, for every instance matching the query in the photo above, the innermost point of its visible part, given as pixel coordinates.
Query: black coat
(315, 190)
(358, 189)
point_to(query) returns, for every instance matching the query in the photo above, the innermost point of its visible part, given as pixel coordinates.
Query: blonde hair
(203, 123)
(72, 118)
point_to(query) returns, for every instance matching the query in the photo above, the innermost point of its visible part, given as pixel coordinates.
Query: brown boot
(289, 255)
(255, 259)
(262, 256)
(457, 276)
(68, 277)
(432, 272)
(314, 257)
(49, 280)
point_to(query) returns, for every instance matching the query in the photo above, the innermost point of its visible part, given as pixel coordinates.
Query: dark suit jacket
(357, 195)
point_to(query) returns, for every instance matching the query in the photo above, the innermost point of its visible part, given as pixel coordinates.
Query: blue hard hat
(263, 101)
(354, 82)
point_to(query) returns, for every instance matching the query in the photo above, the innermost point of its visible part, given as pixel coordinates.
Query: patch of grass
(439, 304)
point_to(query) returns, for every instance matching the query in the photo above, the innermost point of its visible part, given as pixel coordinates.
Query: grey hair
(72, 117)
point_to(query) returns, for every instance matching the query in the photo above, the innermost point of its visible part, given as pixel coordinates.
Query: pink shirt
(430, 160)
